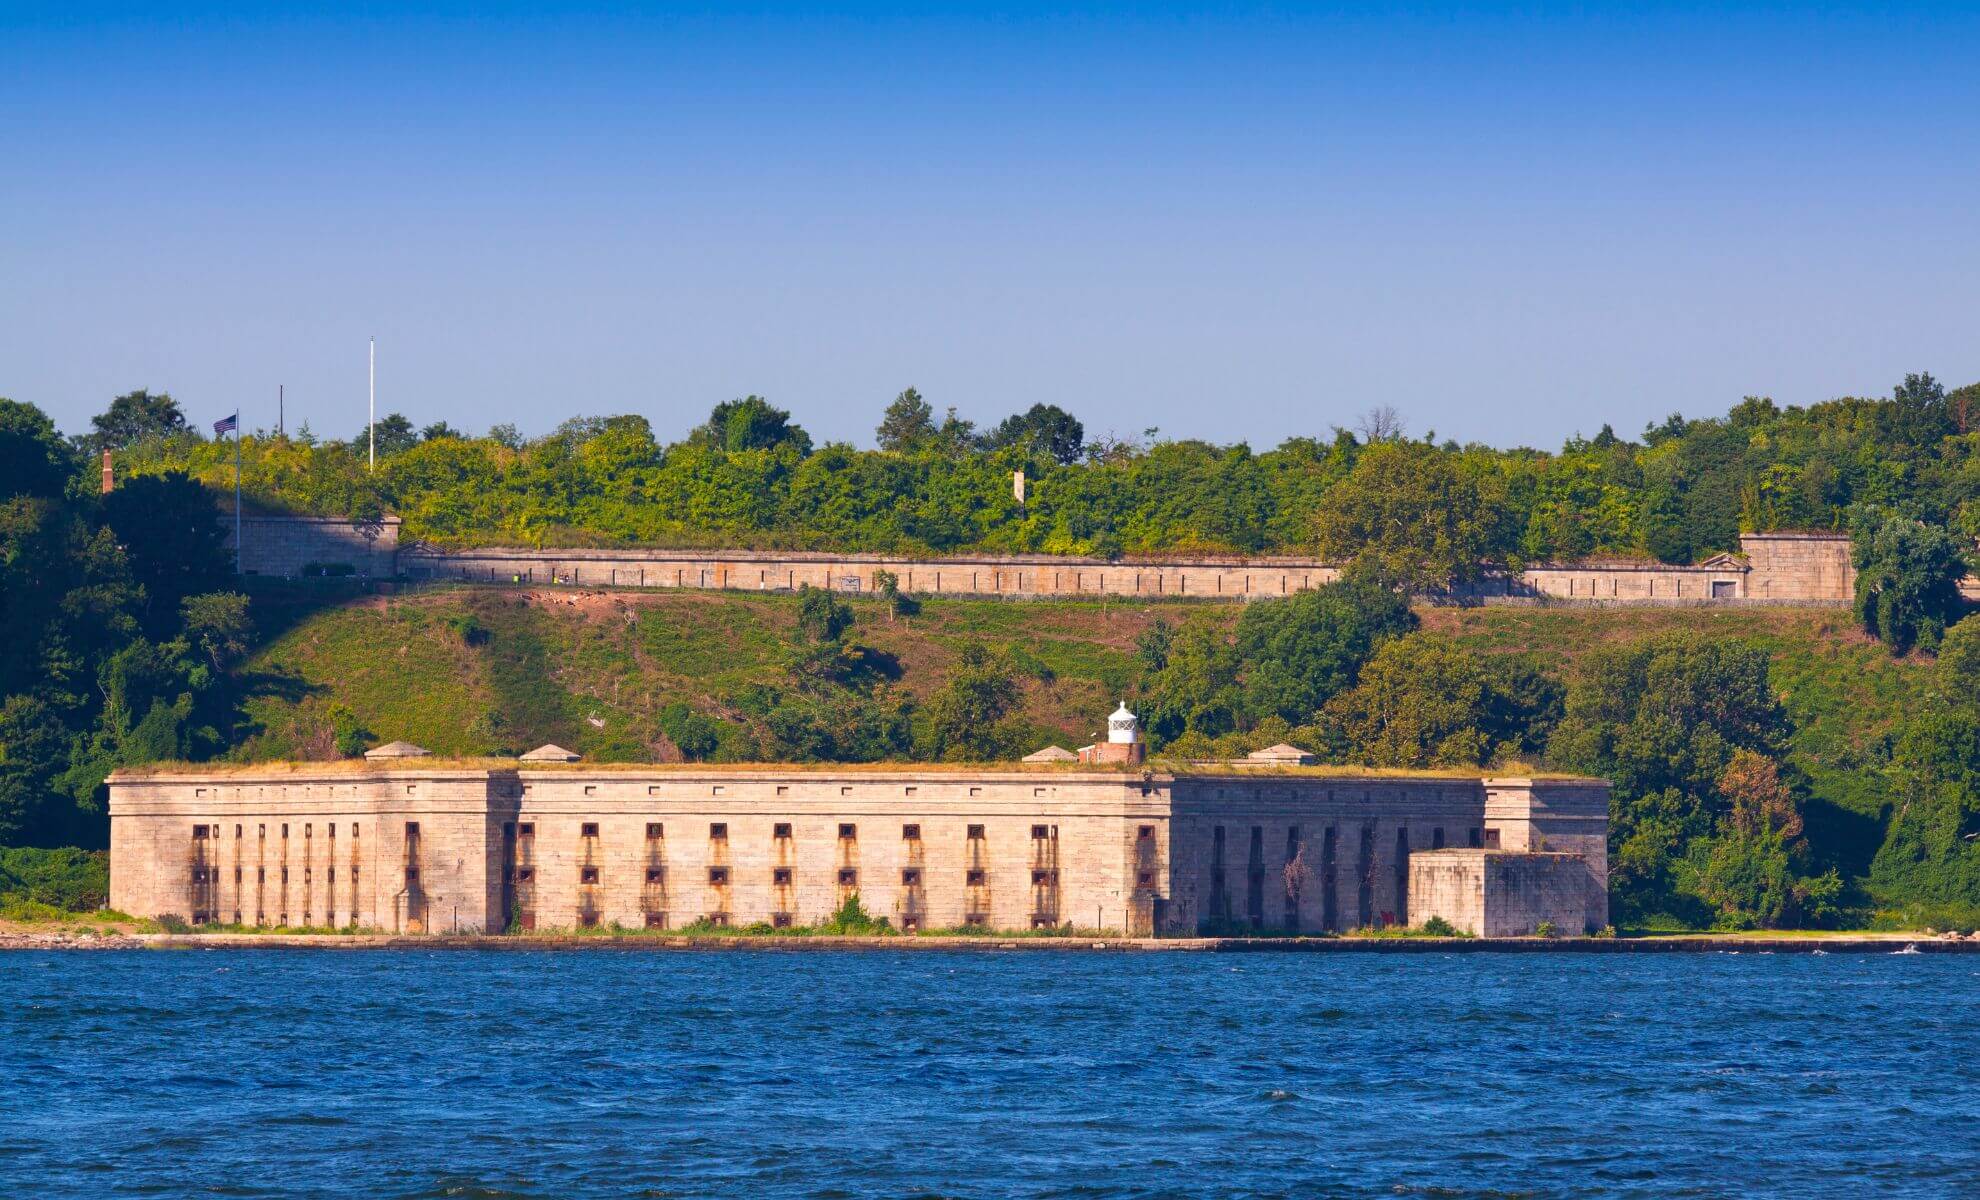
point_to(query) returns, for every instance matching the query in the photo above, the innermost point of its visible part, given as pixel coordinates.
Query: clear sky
(1510, 222)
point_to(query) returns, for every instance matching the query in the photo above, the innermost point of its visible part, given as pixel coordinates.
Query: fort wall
(435, 849)
(1772, 568)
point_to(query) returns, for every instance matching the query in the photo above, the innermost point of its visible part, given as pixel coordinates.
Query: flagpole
(237, 490)
(371, 424)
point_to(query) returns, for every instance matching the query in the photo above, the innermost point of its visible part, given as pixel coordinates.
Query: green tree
(752, 423)
(964, 719)
(394, 433)
(1907, 580)
(822, 617)
(219, 624)
(1044, 429)
(170, 529)
(1931, 849)
(135, 417)
(1421, 516)
(908, 424)
(34, 460)
(1301, 651)
(1662, 720)
(1425, 701)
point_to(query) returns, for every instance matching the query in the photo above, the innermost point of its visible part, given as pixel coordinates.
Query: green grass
(592, 671)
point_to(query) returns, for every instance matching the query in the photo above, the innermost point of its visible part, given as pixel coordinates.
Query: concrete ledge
(653, 942)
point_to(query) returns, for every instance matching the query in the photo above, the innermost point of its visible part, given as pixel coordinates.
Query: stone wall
(1776, 569)
(1502, 893)
(408, 848)
(286, 546)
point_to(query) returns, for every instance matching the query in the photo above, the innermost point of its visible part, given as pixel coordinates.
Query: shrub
(1439, 927)
(69, 879)
(1544, 929)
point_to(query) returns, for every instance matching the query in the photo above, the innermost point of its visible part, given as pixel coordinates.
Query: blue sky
(1512, 223)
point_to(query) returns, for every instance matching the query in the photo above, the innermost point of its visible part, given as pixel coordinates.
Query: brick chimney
(109, 479)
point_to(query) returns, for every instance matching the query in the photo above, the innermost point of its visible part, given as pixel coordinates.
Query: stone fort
(404, 843)
(1771, 568)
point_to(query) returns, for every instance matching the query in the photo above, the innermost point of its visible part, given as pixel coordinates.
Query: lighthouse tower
(1123, 744)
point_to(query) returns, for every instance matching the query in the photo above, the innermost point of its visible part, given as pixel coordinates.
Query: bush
(69, 879)
(1544, 929)
(1439, 927)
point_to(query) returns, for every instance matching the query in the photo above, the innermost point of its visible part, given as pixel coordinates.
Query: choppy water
(1036, 1074)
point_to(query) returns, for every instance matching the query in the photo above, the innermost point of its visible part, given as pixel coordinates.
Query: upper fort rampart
(1771, 568)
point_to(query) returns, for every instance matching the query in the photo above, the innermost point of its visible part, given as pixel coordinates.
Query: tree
(1931, 849)
(908, 425)
(1301, 651)
(822, 617)
(1414, 514)
(1042, 429)
(136, 417)
(752, 423)
(1381, 423)
(963, 720)
(1662, 719)
(1907, 580)
(438, 430)
(34, 460)
(219, 624)
(171, 531)
(394, 433)
(1426, 701)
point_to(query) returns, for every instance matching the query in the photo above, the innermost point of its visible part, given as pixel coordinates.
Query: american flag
(227, 425)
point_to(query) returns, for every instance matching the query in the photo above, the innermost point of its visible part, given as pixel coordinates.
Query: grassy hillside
(477, 671)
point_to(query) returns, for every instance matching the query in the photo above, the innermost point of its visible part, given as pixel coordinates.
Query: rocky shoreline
(1867, 944)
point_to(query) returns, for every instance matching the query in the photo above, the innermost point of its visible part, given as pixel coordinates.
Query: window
(412, 829)
(1474, 839)
(410, 788)
(332, 828)
(285, 829)
(526, 829)
(523, 874)
(976, 791)
(237, 874)
(1039, 833)
(911, 877)
(907, 791)
(974, 878)
(1041, 876)
(354, 828)
(716, 790)
(781, 829)
(718, 831)
(1037, 793)
(199, 833)
(589, 790)
(588, 829)
(587, 874)
(845, 791)
(848, 876)
(655, 830)
(237, 831)
(910, 833)
(780, 876)
(1437, 838)
(782, 790)
(975, 833)
(848, 832)
(1144, 880)
(718, 874)
(655, 874)
(1145, 833)
(412, 874)
(653, 789)
(309, 829)
(780, 920)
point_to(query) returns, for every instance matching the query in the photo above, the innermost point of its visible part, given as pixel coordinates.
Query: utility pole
(371, 424)
(281, 430)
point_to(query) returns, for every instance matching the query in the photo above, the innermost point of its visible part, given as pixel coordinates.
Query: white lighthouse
(1123, 744)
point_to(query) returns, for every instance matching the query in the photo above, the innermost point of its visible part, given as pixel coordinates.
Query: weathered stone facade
(1498, 893)
(286, 547)
(408, 845)
(1775, 569)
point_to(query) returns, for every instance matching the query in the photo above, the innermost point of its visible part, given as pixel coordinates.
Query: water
(846, 1074)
